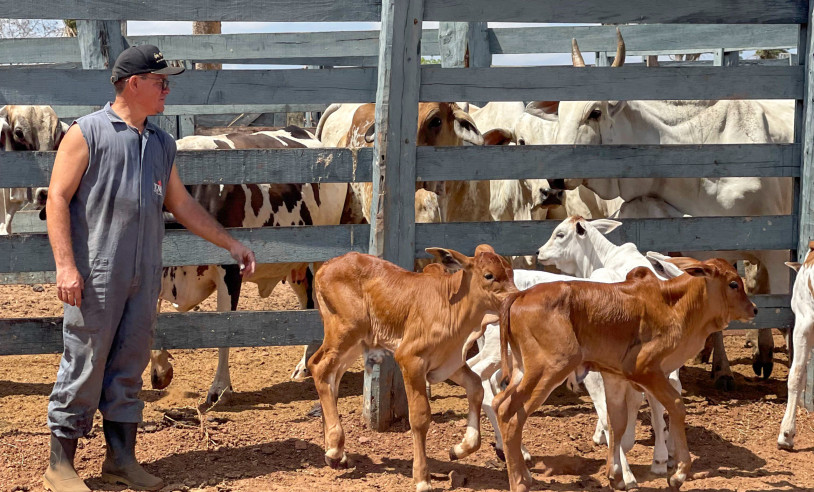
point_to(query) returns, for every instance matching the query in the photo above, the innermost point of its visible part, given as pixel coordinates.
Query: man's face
(152, 90)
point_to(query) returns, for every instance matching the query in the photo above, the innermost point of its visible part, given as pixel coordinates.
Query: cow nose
(557, 183)
(755, 310)
(551, 196)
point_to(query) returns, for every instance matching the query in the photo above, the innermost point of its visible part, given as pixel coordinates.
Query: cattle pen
(385, 68)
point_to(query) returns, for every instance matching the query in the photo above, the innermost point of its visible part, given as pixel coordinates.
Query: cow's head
(32, 128)
(489, 276)
(571, 122)
(724, 288)
(5, 133)
(571, 244)
(439, 125)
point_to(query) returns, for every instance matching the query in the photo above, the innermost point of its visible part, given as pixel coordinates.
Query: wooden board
(202, 10)
(197, 87)
(32, 169)
(638, 11)
(560, 83)
(25, 336)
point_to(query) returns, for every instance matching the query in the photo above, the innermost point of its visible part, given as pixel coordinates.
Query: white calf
(802, 303)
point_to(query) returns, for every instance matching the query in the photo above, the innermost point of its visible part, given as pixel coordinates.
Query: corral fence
(384, 67)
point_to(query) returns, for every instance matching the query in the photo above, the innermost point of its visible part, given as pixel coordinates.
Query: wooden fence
(397, 85)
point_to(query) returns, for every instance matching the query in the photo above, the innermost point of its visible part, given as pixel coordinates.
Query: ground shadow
(15, 388)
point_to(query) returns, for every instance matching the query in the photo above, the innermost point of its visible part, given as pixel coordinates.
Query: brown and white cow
(439, 125)
(636, 331)
(26, 128)
(248, 205)
(371, 306)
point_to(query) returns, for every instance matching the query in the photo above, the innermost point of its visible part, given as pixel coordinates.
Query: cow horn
(619, 60)
(576, 56)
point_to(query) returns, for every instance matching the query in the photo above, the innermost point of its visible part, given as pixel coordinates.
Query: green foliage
(770, 54)
(430, 61)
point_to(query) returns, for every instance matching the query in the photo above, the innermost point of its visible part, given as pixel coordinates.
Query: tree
(32, 28)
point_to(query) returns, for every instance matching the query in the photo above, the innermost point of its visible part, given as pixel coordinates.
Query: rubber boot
(120, 465)
(61, 475)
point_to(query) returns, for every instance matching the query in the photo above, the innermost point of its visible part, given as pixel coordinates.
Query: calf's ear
(450, 258)
(793, 265)
(370, 134)
(605, 226)
(698, 270)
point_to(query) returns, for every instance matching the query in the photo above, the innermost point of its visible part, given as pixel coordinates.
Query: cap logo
(158, 56)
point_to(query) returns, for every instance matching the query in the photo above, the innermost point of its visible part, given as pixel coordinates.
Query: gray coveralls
(117, 227)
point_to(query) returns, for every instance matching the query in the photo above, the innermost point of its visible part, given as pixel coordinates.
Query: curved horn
(576, 56)
(620, 50)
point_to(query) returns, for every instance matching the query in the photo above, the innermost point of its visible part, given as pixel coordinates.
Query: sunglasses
(165, 83)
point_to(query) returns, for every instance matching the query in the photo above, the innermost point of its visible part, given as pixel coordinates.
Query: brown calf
(637, 330)
(370, 305)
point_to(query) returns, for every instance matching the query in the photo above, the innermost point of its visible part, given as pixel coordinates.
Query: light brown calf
(637, 330)
(370, 305)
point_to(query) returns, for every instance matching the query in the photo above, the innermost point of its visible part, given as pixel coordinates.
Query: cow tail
(506, 337)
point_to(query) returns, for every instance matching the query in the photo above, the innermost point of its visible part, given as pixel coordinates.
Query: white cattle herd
(617, 320)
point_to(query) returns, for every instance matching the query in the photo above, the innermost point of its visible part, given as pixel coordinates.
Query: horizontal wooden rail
(24, 336)
(341, 48)
(196, 87)
(72, 111)
(31, 252)
(637, 11)
(32, 169)
(575, 11)
(560, 83)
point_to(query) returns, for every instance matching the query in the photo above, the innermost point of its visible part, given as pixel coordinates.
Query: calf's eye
(733, 284)
(595, 114)
(488, 276)
(560, 234)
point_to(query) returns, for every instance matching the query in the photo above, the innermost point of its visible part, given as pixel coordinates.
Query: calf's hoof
(659, 468)
(764, 368)
(725, 383)
(785, 441)
(676, 481)
(499, 452)
(215, 396)
(337, 463)
(316, 411)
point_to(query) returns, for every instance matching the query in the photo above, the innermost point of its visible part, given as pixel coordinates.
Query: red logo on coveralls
(157, 189)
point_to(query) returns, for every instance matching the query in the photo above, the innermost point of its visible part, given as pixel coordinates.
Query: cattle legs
(474, 394)
(721, 373)
(414, 371)
(803, 337)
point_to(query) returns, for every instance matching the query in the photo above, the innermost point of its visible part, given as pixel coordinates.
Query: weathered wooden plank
(198, 87)
(68, 112)
(32, 169)
(27, 278)
(643, 39)
(206, 10)
(28, 336)
(180, 331)
(606, 161)
(32, 252)
(637, 11)
(625, 83)
(683, 234)
(100, 43)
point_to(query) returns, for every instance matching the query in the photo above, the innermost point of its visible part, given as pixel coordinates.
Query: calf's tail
(506, 337)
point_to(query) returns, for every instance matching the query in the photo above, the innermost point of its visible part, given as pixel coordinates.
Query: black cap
(145, 58)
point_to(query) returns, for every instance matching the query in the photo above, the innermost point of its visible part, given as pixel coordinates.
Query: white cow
(578, 246)
(687, 122)
(802, 303)
(26, 128)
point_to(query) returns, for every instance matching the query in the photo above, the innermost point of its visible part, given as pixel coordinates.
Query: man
(112, 175)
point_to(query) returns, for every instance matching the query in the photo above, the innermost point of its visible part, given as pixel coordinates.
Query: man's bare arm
(69, 167)
(189, 213)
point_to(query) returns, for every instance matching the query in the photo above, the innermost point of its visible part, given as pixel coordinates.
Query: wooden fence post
(804, 134)
(100, 43)
(464, 44)
(721, 58)
(392, 228)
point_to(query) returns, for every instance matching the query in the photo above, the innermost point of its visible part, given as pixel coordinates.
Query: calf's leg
(721, 373)
(803, 338)
(474, 394)
(620, 399)
(415, 384)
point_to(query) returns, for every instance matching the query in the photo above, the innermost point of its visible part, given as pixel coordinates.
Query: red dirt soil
(261, 438)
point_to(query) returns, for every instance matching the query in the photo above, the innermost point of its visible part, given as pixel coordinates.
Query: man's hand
(70, 286)
(244, 257)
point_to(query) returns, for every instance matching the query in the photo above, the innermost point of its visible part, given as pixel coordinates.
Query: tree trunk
(208, 27)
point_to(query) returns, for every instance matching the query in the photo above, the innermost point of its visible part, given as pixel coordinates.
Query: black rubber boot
(61, 475)
(120, 465)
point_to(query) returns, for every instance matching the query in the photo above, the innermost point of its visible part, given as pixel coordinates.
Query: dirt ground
(262, 439)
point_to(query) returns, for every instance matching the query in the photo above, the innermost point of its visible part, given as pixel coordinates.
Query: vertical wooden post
(603, 59)
(392, 228)
(804, 134)
(723, 58)
(100, 43)
(464, 44)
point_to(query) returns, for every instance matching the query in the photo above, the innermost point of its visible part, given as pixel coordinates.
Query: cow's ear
(465, 127)
(547, 110)
(4, 112)
(450, 258)
(794, 265)
(498, 136)
(370, 134)
(581, 229)
(614, 107)
(699, 270)
(605, 226)
(59, 133)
